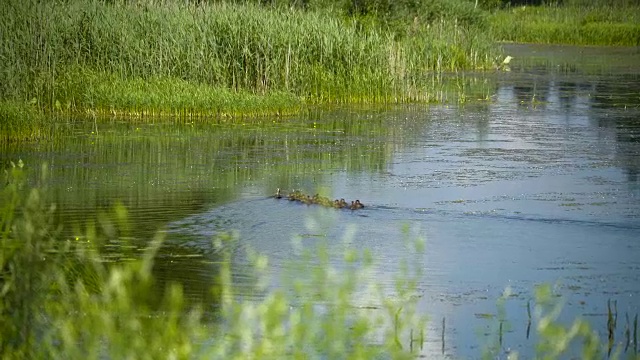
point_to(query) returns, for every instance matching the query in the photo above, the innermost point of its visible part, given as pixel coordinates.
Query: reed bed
(81, 54)
(578, 24)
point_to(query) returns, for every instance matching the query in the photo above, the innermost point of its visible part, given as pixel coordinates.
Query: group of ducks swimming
(297, 195)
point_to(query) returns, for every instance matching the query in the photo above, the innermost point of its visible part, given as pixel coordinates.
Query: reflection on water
(540, 184)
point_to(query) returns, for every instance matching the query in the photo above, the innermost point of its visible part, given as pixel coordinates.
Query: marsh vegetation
(219, 58)
(144, 84)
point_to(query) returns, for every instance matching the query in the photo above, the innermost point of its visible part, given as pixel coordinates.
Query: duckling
(356, 205)
(293, 195)
(343, 203)
(324, 201)
(337, 204)
(307, 200)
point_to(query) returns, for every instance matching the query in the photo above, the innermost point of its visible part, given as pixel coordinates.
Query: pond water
(539, 184)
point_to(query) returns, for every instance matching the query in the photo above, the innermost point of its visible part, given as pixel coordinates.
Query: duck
(278, 195)
(339, 204)
(356, 205)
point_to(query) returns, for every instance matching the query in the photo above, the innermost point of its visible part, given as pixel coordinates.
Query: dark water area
(540, 184)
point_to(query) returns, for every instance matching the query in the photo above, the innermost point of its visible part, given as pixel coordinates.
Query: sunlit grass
(112, 95)
(579, 25)
(20, 121)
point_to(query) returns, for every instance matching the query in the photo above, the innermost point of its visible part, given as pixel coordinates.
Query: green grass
(106, 93)
(577, 25)
(20, 122)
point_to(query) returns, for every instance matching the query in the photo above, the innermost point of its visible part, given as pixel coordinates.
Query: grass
(577, 24)
(109, 94)
(21, 122)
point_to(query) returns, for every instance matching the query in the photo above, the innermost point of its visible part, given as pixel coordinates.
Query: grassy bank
(215, 58)
(21, 121)
(577, 24)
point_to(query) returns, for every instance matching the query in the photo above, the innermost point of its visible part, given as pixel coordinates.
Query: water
(538, 185)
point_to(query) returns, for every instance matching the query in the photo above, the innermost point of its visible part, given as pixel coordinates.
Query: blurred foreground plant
(61, 298)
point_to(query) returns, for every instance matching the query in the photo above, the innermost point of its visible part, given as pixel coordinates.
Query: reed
(217, 57)
(578, 24)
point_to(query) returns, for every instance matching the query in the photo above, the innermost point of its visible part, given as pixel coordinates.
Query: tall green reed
(60, 53)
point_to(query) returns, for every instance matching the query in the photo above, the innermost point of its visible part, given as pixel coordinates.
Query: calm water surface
(538, 185)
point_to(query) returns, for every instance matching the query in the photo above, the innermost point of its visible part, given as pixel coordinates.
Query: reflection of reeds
(627, 332)
(443, 330)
